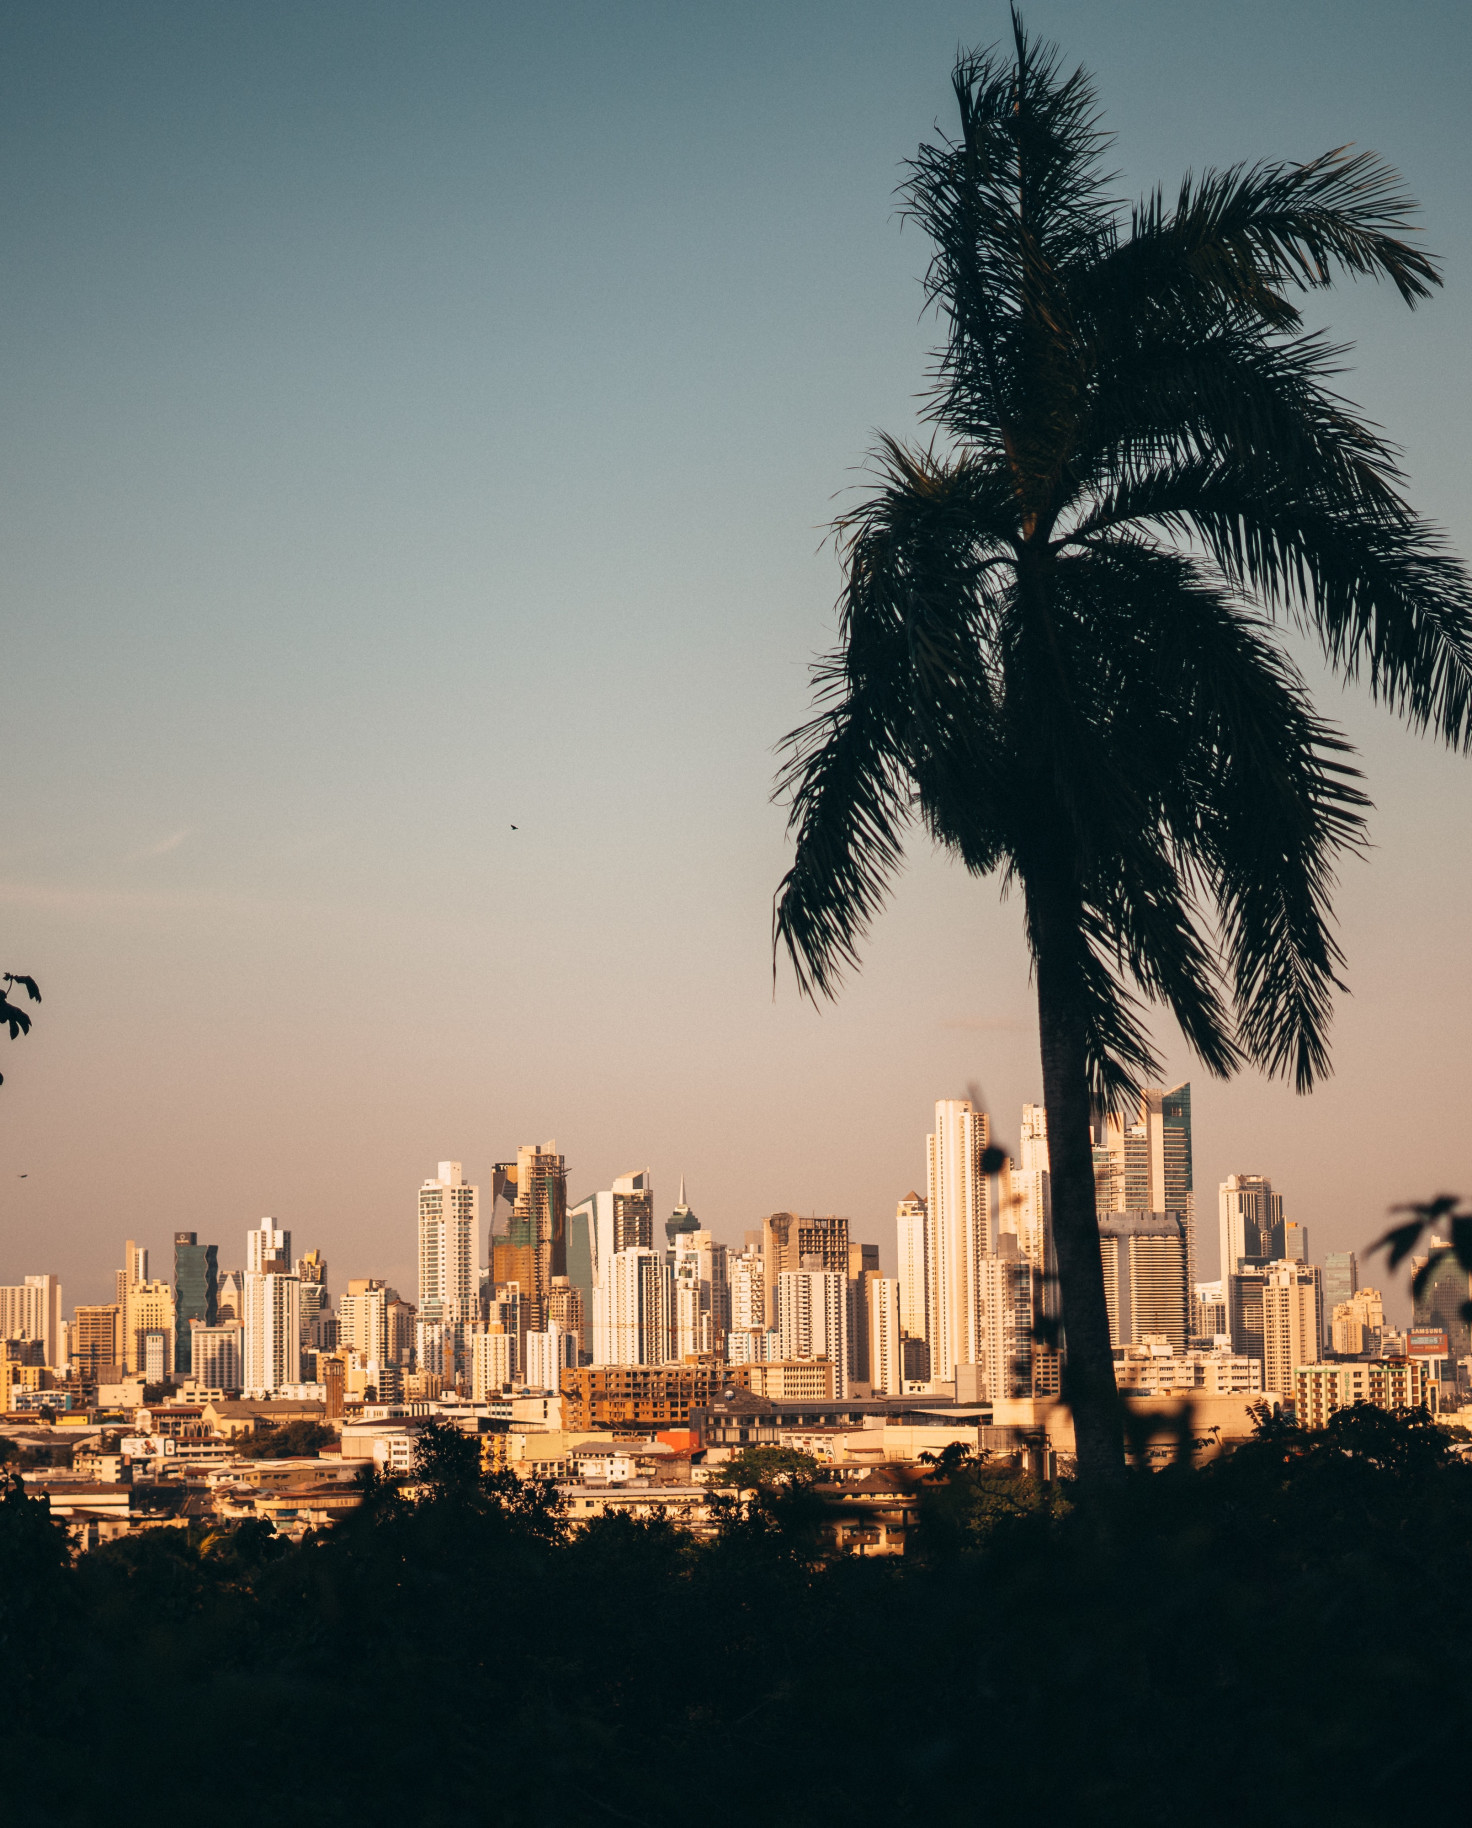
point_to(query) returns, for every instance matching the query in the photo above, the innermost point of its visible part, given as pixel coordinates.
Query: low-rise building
(1321, 1389)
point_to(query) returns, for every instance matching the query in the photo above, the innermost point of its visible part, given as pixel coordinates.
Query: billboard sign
(1427, 1342)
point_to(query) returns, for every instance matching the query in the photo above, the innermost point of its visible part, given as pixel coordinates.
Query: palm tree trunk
(1088, 1385)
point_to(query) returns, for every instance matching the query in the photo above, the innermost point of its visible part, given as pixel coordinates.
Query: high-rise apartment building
(493, 1362)
(1356, 1325)
(319, 1324)
(215, 1355)
(1209, 1310)
(271, 1340)
(1146, 1166)
(914, 1280)
(637, 1297)
(863, 1269)
(1292, 1323)
(449, 1277)
(362, 1318)
(886, 1365)
(548, 1354)
(147, 1308)
(1244, 1309)
(97, 1341)
(632, 1197)
(196, 1291)
(565, 1309)
(268, 1250)
(532, 1249)
(32, 1310)
(135, 1269)
(960, 1232)
(812, 1318)
(1009, 1306)
(790, 1238)
(1029, 1206)
(1146, 1287)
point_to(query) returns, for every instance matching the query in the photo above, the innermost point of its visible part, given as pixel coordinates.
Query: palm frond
(1244, 234)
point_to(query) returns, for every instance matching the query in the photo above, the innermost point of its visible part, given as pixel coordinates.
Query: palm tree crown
(1054, 640)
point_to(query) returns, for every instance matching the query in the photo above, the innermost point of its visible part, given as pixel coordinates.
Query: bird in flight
(515, 828)
(22, 1177)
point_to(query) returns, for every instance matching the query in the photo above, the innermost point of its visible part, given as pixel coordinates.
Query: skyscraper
(1030, 1206)
(1147, 1166)
(788, 1238)
(909, 1225)
(272, 1334)
(1146, 1288)
(812, 1318)
(886, 1366)
(135, 1269)
(681, 1220)
(638, 1296)
(97, 1341)
(622, 1218)
(449, 1215)
(1341, 1278)
(633, 1210)
(32, 1310)
(196, 1287)
(268, 1250)
(1009, 1295)
(148, 1308)
(959, 1233)
(1247, 1212)
(1292, 1323)
(533, 1247)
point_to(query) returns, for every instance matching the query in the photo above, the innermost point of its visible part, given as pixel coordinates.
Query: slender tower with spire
(682, 1219)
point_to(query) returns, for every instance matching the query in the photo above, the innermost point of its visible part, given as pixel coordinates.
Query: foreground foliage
(1276, 1639)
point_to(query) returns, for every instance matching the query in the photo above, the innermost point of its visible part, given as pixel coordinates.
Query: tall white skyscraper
(449, 1277)
(959, 1233)
(548, 1355)
(1029, 1212)
(272, 1333)
(637, 1295)
(1248, 1211)
(1009, 1289)
(267, 1248)
(886, 1368)
(812, 1319)
(32, 1310)
(909, 1225)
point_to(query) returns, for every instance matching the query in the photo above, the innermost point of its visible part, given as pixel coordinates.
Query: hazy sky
(421, 418)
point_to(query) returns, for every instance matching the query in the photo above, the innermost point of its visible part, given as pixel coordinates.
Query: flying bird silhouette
(515, 828)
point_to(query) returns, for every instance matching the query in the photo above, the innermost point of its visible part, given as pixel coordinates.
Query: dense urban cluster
(645, 1374)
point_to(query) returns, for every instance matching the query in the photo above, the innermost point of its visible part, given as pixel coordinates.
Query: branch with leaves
(11, 1014)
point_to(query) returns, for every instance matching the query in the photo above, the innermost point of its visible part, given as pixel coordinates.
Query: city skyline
(293, 373)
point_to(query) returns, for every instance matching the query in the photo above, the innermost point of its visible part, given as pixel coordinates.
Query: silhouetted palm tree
(1056, 628)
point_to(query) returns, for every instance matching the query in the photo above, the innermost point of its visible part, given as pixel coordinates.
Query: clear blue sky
(419, 419)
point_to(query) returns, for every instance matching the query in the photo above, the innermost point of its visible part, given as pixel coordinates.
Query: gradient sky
(420, 419)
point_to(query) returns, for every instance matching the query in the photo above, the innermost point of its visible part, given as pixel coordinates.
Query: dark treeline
(1279, 1638)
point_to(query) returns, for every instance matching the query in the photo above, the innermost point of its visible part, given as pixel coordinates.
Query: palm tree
(1059, 624)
